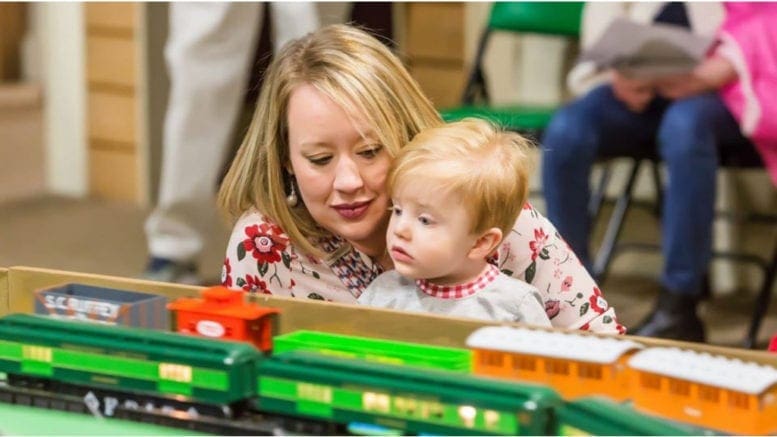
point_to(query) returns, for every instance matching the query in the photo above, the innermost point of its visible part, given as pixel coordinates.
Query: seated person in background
(684, 120)
(456, 192)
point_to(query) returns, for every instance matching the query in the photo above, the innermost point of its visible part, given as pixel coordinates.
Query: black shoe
(166, 270)
(674, 317)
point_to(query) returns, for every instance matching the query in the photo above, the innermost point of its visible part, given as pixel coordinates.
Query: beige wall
(61, 43)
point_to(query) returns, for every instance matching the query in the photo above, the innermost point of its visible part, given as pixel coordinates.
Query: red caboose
(223, 313)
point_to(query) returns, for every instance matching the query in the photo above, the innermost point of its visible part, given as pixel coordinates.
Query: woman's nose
(347, 176)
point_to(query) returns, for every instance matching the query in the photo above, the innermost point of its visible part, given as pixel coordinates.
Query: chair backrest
(549, 18)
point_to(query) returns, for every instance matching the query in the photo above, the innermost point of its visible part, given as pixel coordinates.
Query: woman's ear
(486, 243)
(289, 168)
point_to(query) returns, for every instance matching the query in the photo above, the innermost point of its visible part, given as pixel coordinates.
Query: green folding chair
(545, 18)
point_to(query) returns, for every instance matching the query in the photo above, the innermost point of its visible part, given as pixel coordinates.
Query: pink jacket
(748, 39)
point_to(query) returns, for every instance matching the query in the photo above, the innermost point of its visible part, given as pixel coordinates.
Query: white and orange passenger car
(575, 364)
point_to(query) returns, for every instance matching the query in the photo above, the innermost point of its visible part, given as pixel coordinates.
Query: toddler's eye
(396, 210)
(425, 220)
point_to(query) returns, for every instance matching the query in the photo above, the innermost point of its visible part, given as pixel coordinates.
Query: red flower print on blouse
(265, 241)
(254, 284)
(597, 301)
(566, 284)
(585, 327)
(536, 246)
(226, 278)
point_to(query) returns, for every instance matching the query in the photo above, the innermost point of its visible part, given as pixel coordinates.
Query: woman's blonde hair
(485, 167)
(357, 72)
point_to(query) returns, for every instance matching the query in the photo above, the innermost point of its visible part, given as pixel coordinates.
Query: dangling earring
(292, 199)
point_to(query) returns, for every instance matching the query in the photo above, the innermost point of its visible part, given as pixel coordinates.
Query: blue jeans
(686, 132)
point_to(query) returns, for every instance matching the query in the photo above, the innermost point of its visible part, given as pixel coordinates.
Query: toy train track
(248, 423)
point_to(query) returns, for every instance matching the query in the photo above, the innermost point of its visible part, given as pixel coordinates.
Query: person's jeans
(686, 133)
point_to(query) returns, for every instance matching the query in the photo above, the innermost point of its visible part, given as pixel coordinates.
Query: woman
(308, 184)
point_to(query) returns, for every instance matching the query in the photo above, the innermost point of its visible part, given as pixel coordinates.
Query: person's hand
(709, 75)
(635, 93)
(679, 86)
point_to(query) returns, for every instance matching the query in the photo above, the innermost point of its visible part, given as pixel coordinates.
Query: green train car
(412, 400)
(376, 350)
(133, 360)
(600, 416)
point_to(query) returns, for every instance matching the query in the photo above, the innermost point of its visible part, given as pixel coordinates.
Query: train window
(528, 364)
(314, 392)
(709, 394)
(491, 418)
(175, 372)
(557, 367)
(492, 359)
(738, 400)
(679, 388)
(649, 381)
(467, 414)
(372, 401)
(589, 371)
(36, 353)
(406, 406)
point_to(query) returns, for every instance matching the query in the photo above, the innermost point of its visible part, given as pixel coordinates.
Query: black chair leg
(614, 226)
(659, 187)
(762, 303)
(597, 197)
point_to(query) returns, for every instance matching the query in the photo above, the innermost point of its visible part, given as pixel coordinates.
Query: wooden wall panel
(112, 118)
(111, 61)
(441, 83)
(435, 31)
(111, 17)
(12, 27)
(434, 44)
(113, 173)
(112, 115)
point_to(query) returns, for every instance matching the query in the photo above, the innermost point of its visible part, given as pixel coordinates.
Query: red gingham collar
(460, 290)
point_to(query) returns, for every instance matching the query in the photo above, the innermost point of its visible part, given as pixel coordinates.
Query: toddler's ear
(486, 243)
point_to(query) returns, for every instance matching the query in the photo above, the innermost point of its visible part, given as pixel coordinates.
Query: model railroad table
(24, 420)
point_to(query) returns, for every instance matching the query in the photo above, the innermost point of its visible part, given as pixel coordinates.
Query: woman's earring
(292, 199)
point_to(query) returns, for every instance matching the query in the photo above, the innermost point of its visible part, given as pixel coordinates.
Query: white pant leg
(292, 20)
(208, 54)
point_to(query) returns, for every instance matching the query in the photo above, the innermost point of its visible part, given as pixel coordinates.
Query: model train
(314, 379)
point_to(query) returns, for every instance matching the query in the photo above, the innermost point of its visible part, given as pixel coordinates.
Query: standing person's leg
(593, 125)
(689, 136)
(208, 53)
(292, 20)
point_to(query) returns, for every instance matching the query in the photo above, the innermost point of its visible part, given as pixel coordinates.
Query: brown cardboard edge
(315, 315)
(3, 291)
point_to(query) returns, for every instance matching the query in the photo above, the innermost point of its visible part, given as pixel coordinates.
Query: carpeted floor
(107, 237)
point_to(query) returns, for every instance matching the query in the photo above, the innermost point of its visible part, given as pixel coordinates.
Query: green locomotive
(139, 361)
(402, 398)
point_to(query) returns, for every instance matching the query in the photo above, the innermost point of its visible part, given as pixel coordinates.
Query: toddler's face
(429, 236)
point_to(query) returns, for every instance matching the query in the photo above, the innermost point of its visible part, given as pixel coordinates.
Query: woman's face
(340, 168)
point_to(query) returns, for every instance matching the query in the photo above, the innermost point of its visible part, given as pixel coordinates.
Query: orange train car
(708, 390)
(574, 364)
(223, 313)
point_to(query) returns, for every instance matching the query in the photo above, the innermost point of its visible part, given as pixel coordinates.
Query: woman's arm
(536, 253)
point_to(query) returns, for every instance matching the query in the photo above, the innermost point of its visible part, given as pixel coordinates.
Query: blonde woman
(308, 185)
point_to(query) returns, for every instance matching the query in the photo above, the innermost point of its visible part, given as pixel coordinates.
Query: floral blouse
(260, 258)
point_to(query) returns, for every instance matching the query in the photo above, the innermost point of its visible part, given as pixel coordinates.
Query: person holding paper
(683, 121)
